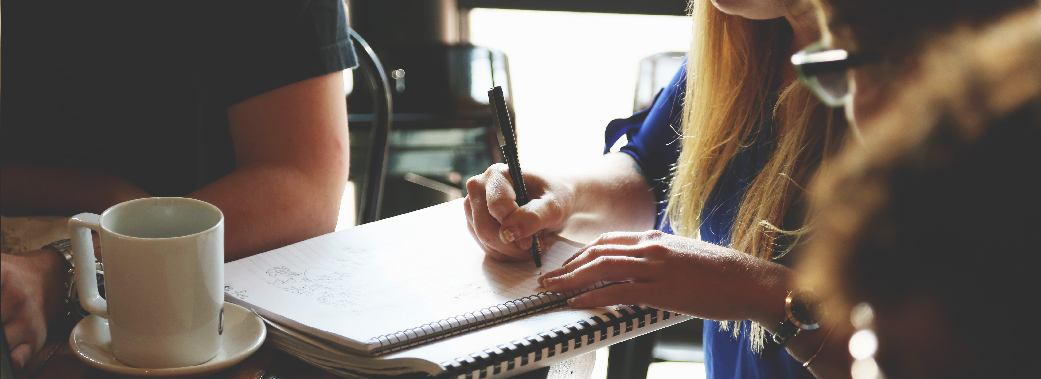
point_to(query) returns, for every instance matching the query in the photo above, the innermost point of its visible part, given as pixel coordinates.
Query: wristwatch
(803, 311)
(72, 296)
(63, 246)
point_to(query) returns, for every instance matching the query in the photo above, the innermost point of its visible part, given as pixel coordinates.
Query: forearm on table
(612, 195)
(31, 189)
(267, 207)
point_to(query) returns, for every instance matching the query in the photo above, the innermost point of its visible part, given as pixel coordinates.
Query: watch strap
(802, 312)
(72, 303)
(775, 343)
(63, 246)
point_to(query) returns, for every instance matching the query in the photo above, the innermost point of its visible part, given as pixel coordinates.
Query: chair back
(375, 78)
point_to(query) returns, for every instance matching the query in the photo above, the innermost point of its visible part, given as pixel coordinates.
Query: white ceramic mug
(164, 278)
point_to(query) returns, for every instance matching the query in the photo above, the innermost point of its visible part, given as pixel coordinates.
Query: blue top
(653, 136)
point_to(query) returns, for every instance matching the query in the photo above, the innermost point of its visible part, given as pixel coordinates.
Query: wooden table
(58, 361)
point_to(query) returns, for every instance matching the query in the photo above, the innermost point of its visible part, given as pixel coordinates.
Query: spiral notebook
(414, 293)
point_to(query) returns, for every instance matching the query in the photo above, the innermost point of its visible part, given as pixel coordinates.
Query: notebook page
(376, 279)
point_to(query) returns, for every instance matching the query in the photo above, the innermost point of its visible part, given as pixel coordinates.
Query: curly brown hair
(942, 197)
(895, 29)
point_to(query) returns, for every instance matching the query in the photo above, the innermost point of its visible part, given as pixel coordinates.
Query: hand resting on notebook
(674, 273)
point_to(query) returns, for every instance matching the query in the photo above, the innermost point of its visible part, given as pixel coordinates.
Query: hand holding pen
(508, 143)
(501, 227)
(504, 229)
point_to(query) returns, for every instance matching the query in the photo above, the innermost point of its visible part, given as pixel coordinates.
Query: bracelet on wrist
(819, 349)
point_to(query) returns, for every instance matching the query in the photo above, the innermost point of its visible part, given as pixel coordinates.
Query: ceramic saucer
(244, 332)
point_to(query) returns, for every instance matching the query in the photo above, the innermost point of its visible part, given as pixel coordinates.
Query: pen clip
(502, 140)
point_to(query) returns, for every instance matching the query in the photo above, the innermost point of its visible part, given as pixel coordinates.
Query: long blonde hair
(734, 67)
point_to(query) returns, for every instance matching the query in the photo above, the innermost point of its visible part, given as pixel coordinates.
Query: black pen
(508, 143)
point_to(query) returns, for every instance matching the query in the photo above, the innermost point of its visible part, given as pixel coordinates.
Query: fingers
(20, 355)
(18, 332)
(22, 309)
(623, 293)
(484, 226)
(607, 239)
(25, 339)
(499, 194)
(613, 268)
(539, 214)
(546, 210)
(608, 244)
(499, 223)
(488, 251)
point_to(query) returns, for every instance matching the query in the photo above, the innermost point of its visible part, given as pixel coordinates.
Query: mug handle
(83, 253)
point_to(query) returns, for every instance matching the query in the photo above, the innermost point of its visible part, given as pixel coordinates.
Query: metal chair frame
(375, 78)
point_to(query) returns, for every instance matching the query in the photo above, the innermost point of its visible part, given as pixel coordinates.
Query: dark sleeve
(264, 45)
(653, 135)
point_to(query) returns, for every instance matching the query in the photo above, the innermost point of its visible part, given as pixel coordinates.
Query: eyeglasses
(825, 72)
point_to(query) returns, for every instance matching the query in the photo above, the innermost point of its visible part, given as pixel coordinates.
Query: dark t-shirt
(654, 143)
(141, 89)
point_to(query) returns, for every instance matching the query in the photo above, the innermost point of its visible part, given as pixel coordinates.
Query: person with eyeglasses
(867, 48)
(927, 229)
(701, 211)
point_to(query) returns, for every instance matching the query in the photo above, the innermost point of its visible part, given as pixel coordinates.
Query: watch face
(805, 308)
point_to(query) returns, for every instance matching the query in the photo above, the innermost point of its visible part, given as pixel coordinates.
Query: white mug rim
(101, 218)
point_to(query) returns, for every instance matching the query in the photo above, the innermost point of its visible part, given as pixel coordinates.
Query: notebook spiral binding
(558, 340)
(466, 322)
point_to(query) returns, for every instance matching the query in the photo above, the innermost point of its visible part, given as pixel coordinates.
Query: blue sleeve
(730, 357)
(654, 136)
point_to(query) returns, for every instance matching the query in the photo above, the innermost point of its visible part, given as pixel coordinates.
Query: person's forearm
(833, 359)
(610, 196)
(267, 207)
(828, 346)
(30, 189)
(773, 283)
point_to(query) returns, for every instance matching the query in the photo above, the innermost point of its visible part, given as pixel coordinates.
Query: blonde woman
(724, 197)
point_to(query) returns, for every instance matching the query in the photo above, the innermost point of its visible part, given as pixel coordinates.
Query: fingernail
(571, 302)
(548, 284)
(506, 236)
(551, 274)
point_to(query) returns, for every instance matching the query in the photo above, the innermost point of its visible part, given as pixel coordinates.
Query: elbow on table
(320, 206)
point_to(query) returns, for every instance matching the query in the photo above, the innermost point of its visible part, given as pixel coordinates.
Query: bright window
(572, 73)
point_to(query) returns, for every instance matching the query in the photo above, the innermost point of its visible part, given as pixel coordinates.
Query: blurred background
(567, 69)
